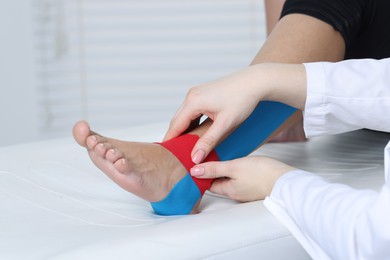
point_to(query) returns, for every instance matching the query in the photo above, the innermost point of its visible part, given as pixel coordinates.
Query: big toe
(81, 131)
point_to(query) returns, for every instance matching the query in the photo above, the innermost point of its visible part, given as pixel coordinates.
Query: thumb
(208, 141)
(220, 171)
(211, 170)
(222, 187)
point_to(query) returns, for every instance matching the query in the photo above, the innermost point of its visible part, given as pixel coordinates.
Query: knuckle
(227, 123)
(193, 94)
(194, 100)
(213, 170)
(209, 141)
(224, 120)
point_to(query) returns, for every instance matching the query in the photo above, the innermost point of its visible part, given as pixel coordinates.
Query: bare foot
(145, 169)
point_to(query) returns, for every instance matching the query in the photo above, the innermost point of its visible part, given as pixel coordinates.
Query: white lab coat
(335, 221)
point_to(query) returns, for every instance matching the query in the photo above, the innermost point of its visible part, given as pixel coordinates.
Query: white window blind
(121, 63)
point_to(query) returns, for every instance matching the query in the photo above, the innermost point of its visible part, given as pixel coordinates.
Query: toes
(122, 165)
(91, 142)
(101, 149)
(81, 132)
(98, 145)
(113, 155)
(94, 140)
(84, 136)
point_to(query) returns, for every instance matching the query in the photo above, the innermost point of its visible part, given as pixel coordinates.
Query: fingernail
(197, 171)
(198, 156)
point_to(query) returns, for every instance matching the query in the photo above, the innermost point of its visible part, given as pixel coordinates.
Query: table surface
(55, 204)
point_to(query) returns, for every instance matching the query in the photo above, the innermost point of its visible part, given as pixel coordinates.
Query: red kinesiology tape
(182, 147)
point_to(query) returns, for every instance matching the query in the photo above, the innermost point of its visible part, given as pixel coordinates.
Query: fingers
(184, 119)
(223, 174)
(223, 186)
(194, 124)
(212, 170)
(209, 140)
(176, 127)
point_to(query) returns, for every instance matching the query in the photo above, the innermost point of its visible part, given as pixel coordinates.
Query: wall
(116, 63)
(18, 117)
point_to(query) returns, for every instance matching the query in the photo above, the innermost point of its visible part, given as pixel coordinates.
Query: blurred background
(117, 63)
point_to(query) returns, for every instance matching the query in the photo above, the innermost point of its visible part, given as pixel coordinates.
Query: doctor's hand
(227, 101)
(245, 179)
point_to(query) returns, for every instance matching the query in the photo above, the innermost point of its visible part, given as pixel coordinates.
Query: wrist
(260, 82)
(272, 170)
(285, 83)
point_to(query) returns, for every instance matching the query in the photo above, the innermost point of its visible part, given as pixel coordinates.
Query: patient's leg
(299, 38)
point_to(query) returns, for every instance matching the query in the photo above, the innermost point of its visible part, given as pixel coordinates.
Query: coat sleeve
(335, 221)
(346, 96)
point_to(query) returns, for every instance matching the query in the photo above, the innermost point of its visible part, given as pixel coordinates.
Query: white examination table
(56, 205)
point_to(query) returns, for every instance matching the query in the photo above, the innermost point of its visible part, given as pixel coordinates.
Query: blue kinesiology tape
(264, 120)
(180, 200)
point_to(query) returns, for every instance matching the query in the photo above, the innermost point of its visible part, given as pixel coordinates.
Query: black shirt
(364, 24)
